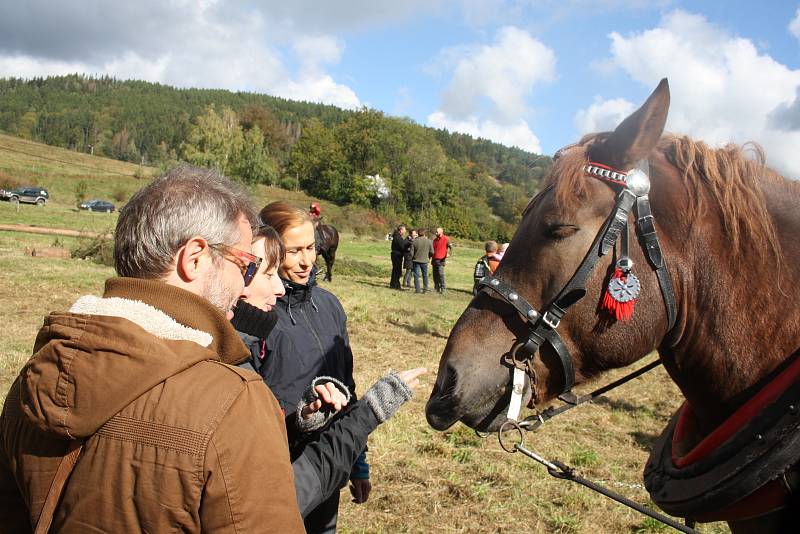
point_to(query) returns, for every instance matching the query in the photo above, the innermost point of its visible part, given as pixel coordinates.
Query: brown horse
(327, 242)
(727, 229)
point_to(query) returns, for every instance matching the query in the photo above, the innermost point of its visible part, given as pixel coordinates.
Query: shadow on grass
(644, 440)
(409, 290)
(373, 283)
(419, 330)
(635, 410)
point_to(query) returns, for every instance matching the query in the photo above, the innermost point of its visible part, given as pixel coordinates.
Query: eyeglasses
(247, 263)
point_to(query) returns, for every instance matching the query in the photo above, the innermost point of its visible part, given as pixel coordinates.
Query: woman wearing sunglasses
(322, 459)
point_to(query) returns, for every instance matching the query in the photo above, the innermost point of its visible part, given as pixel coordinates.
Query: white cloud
(503, 72)
(487, 94)
(603, 115)
(26, 67)
(516, 134)
(319, 88)
(794, 25)
(211, 44)
(316, 50)
(722, 88)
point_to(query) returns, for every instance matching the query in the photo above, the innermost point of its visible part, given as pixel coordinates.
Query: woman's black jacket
(324, 463)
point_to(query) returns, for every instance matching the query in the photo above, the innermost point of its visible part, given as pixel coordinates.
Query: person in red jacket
(315, 211)
(442, 249)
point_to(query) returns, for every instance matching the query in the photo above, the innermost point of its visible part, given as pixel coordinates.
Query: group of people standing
(210, 388)
(413, 252)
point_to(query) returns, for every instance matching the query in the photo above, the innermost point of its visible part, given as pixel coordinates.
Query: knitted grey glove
(387, 395)
(321, 417)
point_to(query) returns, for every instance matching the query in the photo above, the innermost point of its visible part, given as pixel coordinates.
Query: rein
(562, 471)
(534, 422)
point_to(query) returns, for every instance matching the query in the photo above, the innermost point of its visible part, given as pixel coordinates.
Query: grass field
(424, 481)
(24, 162)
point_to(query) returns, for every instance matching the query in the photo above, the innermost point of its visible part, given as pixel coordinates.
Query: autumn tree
(254, 163)
(215, 140)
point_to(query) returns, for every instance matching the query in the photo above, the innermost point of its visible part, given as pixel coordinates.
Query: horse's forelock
(567, 177)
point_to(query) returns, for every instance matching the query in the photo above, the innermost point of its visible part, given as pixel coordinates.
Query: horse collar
(542, 326)
(744, 468)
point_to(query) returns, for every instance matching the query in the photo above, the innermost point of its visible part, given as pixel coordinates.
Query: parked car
(98, 205)
(28, 195)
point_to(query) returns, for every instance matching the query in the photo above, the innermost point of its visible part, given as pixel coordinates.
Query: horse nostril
(448, 385)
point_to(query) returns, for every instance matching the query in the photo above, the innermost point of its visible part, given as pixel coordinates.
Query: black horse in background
(327, 242)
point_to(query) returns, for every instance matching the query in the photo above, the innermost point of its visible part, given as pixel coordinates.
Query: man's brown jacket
(176, 439)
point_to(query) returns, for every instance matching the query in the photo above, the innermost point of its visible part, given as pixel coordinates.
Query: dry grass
(424, 481)
(427, 481)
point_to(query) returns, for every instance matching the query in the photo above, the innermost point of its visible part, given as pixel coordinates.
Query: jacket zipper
(310, 327)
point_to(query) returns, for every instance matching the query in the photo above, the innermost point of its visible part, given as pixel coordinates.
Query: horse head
(705, 219)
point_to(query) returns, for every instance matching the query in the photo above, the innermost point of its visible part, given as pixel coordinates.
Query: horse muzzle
(476, 403)
(441, 411)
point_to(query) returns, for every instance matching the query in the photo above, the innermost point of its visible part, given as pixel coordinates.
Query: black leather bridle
(542, 327)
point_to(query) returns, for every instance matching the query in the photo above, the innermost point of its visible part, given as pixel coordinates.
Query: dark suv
(28, 195)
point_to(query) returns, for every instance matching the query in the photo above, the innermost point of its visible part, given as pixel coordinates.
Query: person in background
(492, 257)
(421, 252)
(499, 253)
(399, 245)
(486, 264)
(135, 395)
(315, 214)
(408, 255)
(324, 464)
(315, 211)
(442, 249)
(309, 340)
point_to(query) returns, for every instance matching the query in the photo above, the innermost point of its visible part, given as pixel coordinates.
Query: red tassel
(621, 311)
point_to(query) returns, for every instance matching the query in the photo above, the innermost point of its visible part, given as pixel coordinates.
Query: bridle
(542, 327)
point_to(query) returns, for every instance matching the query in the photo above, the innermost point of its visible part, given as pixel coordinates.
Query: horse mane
(730, 177)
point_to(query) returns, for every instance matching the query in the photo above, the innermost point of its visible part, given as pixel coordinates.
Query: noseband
(633, 194)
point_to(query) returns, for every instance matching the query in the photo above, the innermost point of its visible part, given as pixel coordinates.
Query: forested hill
(474, 187)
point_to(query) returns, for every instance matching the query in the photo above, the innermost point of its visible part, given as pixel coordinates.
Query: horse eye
(561, 231)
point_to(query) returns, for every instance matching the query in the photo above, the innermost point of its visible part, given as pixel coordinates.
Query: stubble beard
(219, 294)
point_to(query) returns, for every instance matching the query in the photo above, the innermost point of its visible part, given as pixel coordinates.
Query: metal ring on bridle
(513, 356)
(530, 424)
(515, 426)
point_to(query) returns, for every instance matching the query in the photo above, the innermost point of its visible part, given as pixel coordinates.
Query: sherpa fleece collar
(186, 309)
(150, 319)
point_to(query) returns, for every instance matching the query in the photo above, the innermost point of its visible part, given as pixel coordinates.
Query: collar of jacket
(253, 321)
(299, 293)
(185, 308)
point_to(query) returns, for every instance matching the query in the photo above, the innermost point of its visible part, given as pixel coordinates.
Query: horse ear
(637, 135)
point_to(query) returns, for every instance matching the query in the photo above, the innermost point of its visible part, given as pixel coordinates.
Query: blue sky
(536, 74)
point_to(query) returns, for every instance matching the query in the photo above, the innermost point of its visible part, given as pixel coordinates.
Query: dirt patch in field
(48, 231)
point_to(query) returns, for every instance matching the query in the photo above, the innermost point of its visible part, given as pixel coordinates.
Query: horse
(327, 242)
(714, 272)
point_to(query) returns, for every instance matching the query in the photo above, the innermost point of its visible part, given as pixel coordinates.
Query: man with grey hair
(131, 415)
